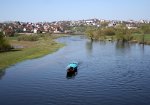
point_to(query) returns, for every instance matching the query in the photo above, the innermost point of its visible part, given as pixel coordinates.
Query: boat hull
(72, 70)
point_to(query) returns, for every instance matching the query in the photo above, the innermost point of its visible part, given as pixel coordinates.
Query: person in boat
(70, 69)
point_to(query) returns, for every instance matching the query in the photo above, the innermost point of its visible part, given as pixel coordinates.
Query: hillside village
(11, 27)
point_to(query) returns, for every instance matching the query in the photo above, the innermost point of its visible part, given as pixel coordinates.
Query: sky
(58, 10)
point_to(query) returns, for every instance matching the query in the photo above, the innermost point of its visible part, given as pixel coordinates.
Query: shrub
(109, 32)
(28, 38)
(4, 43)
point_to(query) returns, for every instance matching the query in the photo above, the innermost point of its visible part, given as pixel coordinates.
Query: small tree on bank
(4, 44)
(144, 29)
(123, 34)
(90, 33)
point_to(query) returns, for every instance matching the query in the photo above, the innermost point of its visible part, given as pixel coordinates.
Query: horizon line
(3, 21)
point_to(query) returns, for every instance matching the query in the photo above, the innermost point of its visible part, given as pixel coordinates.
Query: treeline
(119, 32)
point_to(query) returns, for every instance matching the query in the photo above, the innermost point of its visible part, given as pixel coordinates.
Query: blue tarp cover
(73, 65)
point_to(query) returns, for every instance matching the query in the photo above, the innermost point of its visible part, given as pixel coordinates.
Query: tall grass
(28, 38)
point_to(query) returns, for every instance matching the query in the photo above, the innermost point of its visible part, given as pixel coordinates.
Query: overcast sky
(54, 10)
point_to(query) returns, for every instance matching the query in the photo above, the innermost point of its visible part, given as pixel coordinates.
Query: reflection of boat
(72, 67)
(71, 75)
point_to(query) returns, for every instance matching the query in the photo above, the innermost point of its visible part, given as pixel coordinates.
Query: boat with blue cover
(72, 67)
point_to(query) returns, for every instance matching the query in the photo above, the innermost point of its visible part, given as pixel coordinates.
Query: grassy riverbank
(139, 38)
(135, 38)
(28, 50)
(139, 34)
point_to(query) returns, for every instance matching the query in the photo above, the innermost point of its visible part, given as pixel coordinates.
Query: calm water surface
(109, 73)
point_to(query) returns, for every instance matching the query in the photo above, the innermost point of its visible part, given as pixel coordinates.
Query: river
(109, 73)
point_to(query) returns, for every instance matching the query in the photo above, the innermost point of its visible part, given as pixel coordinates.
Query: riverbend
(109, 73)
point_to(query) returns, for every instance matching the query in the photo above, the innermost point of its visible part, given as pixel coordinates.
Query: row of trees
(120, 32)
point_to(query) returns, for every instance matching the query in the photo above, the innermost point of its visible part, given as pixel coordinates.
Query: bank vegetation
(22, 47)
(140, 34)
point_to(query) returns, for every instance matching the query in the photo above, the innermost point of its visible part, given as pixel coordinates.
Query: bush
(4, 43)
(109, 32)
(28, 38)
(5, 46)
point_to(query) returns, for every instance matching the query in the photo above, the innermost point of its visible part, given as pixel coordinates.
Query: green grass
(136, 37)
(31, 50)
(139, 37)
(147, 37)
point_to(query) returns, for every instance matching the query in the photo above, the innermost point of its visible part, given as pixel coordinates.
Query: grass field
(28, 50)
(139, 38)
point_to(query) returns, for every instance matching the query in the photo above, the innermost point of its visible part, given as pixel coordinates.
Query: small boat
(72, 67)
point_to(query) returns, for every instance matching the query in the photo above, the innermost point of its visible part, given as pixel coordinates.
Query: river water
(109, 73)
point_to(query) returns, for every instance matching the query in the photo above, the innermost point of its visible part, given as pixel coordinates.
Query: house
(131, 26)
(56, 31)
(112, 24)
(68, 31)
(8, 32)
(35, 30)
(24, 29)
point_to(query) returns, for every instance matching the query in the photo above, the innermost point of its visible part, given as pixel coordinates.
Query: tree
(109, 31)
(90, 32)
(123, 33)
(4, 44)
(145, 29)
(104, 24)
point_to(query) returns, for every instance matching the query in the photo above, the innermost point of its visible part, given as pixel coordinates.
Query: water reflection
(89, 46)
(122, 46)
(71, 75)
(142, 48)
(2, 73)
(103, 42)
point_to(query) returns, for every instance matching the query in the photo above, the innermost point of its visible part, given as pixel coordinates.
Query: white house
(24, 29)
(131, 26)
(111, 24)
(35, 30)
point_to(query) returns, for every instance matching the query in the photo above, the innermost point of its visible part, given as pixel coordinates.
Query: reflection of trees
(142, 48)
(89, 46)
(122, 46)
(2, 73)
